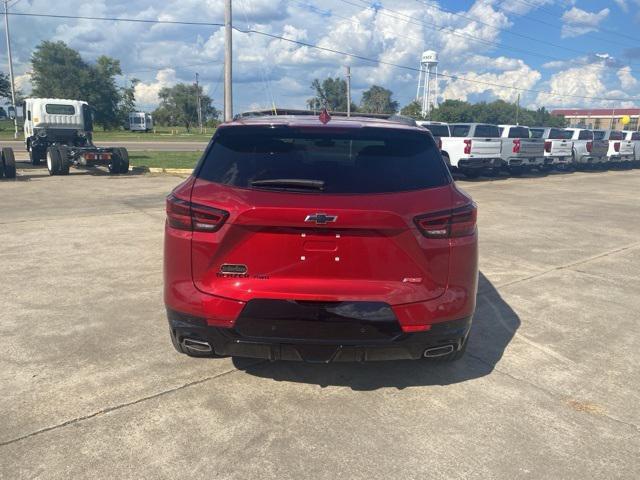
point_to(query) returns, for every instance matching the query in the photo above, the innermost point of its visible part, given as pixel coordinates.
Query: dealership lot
(91, 386)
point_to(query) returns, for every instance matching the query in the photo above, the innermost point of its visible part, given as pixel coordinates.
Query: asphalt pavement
(92, 388)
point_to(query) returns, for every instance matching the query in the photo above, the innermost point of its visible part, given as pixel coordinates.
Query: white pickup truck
(439, 130)
(587, 151)
(634, 137)
(519, 151)
(557, 146)
(620, 150)
(473, 148)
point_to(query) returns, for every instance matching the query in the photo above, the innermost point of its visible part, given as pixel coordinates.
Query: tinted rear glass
(598, 134)
(585, 135)
(536, 132)
(366, 160)
(560, 134)
(487, 131)
(438, 130)
(459, 130)
(518, 132)
(615, 135)
(54, 109)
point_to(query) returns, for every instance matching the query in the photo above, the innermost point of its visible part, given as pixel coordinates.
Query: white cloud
(627, 80)
(266, 68)
(623, 5)
(577, 22)
(508, 71)
(147, 93)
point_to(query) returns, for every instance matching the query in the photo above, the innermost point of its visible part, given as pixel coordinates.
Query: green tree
(178, 106)
(378, 99)
(5, 86)
(413, 109)
(60, 72)
(332, 92)
(496, 112)
(127, 102)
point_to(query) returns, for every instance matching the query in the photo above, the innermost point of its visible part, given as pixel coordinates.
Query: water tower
(428, 70)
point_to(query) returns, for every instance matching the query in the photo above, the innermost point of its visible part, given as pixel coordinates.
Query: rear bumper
(557, 159)
(404, 346)
(524, 161)
(474, 163)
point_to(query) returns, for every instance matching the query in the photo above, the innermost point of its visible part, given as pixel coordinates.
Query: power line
(574, 28)
(510, 32)
(330, 50)
(452, 30)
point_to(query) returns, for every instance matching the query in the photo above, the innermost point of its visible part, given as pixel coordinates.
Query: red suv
(301, 239)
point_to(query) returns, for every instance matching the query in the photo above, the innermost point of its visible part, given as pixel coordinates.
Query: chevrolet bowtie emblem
(321, 218)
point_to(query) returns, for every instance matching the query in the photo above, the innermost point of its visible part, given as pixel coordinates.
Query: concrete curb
(179, 171)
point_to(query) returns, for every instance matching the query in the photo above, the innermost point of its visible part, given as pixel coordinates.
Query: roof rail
(274, 112)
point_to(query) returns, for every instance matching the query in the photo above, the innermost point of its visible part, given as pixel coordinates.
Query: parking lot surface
(92, 388)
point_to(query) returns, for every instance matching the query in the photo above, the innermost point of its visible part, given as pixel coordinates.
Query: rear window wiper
(290, 183)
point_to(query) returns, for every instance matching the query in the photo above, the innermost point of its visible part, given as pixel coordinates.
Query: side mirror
(12, 112)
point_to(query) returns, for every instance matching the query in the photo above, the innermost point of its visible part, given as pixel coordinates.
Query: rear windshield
(615, 135)
(598, 134)
(460, 130)
(54, 109)
(585, 135)
(515, 132)
(488, 131)
(536, 132)
(438, 130)
(323, 160)
(560, 134)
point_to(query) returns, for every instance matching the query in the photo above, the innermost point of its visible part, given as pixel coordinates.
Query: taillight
(547, 147)
(589, 146)
(516, 145)
(185, 215)
(459, 222)
(616, 146)
(467, 147)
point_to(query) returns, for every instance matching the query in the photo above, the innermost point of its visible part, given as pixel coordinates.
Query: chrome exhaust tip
(197, 346)
(438, 351)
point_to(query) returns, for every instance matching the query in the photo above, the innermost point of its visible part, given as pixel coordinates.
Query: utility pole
(518, 110)
(348, 91)
(13, 85)
(228, 94)
(198, 103)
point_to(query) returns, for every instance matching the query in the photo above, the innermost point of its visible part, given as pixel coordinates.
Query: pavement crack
(551, 393)
(569, 265)
(124, 405)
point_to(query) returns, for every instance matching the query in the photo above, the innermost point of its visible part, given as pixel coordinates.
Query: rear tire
(8, 163)
(53, 161)
(119, 161)
(64, 160)
(124, 160)
(472, 173)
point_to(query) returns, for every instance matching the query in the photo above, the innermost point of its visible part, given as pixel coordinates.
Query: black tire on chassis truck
(8, 163)
(57, 161)
(119, 161)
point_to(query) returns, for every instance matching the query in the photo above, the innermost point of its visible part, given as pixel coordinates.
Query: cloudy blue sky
(568, 47)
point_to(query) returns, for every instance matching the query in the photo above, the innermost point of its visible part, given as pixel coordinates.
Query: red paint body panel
(372, 252)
